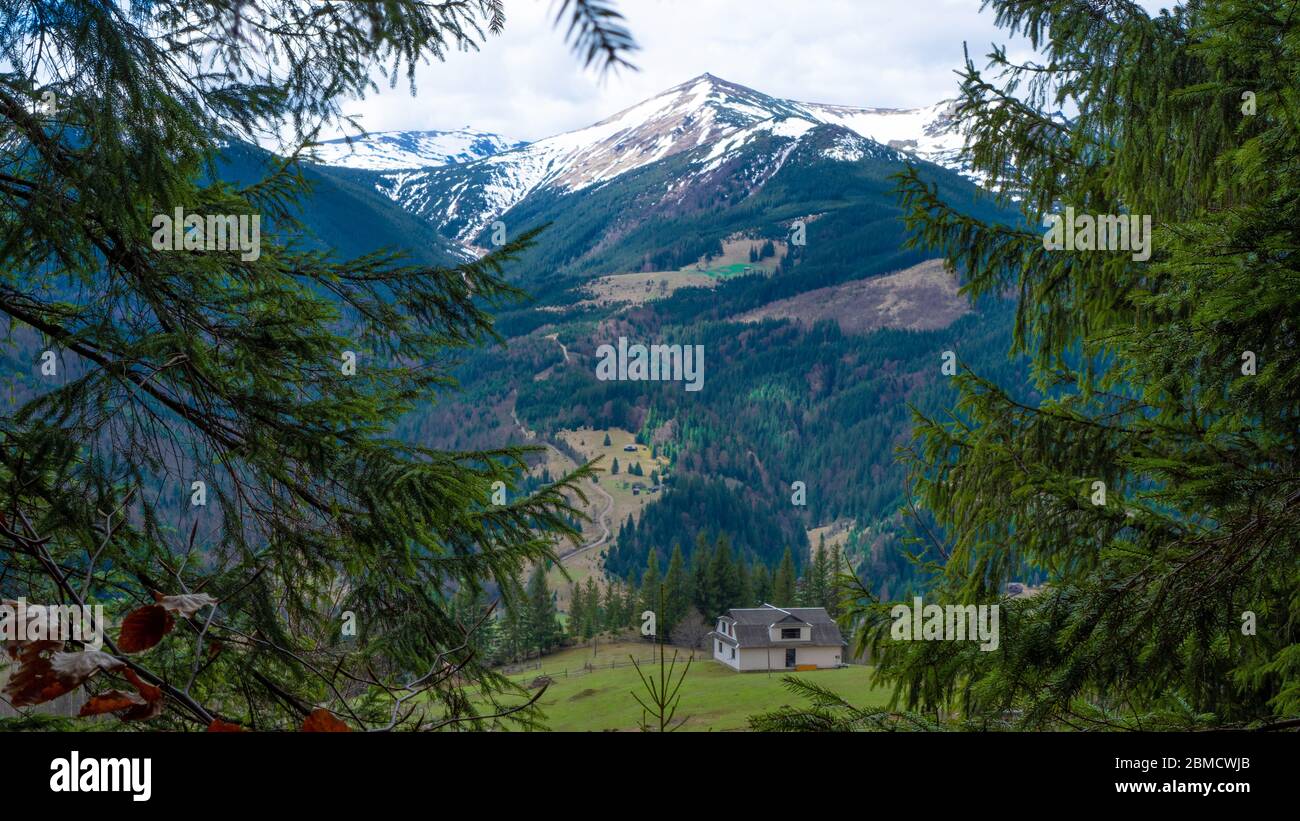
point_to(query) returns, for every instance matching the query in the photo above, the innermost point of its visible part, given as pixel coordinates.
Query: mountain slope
(343, 213)
(921, 298)
(755, 184)
(396, 150)
(928, 133)
(463, 198)
(798, 393)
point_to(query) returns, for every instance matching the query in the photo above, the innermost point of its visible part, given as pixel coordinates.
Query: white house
(774, 638)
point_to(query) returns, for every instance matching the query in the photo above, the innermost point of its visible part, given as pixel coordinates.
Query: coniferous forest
(721, 404)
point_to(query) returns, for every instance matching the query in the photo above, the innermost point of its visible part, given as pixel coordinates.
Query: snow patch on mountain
(930, 133)
(397, 150)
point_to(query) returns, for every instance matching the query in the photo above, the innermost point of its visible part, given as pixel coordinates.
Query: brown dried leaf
(150, 692)
(323, 721)
(143, 628)
(40, 678)
(144, 712)
(219, 726)
(111, 702)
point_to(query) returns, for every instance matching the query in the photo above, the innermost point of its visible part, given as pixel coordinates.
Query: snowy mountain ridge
(465, 197)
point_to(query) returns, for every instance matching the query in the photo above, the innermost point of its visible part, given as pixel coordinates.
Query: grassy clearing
(589, 444)
(735, 260)
(713, 697)
(639, 288)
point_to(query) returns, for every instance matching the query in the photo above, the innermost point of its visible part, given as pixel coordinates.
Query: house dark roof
(752, 623)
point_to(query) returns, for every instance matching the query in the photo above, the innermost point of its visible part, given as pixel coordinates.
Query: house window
(790, 632)
(733, 652)
(719, 646)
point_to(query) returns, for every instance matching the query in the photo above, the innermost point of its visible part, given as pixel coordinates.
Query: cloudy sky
(525, 84)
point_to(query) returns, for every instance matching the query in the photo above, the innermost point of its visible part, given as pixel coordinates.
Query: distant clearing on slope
(636, 289)
(644, 286)
(921, 298)
(735, 258)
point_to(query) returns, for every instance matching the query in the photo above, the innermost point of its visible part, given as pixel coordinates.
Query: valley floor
(713, 696)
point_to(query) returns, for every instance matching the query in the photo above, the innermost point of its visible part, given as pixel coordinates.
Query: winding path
(603, 518)
(563, 349)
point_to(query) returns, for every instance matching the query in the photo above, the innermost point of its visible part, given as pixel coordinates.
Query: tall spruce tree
(762, 584)
(677, 595)
(611, 614)
(591, 613)
(1156, 478)
(266, 384)
(744, 584)
(721, 581)
(650, 592)
(784, 582)
(543, 626)
(700, 558)
(577, 609)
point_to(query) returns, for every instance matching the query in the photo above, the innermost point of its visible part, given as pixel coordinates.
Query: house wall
(724, 654)
(773, 658)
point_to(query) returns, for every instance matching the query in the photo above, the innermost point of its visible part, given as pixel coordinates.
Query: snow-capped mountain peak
(705, 111)
(698, 112)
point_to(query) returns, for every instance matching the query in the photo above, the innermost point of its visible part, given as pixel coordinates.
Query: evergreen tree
(723, 579)
(612, 612)
(469, 607)
(607, 442)
(744, 584)
(1156, 476)
(592, 621)
(819, 579)
(577, 609)
(834, 589)
(630, 615)
(230, 369)
(650, 591)
(543, 626)
(677, 595)
(700, 559)
(762, 585)
(515, 639)
(613, 470)
(783, 585)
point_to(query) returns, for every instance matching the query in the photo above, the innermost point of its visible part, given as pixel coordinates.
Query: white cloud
(525, 84)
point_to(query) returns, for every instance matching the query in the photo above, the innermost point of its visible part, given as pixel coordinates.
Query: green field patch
(714, 697)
